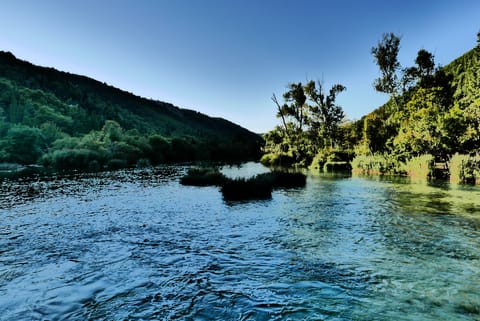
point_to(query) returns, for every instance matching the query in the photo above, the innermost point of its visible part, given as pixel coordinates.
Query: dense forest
(429, 127)
(67, 121)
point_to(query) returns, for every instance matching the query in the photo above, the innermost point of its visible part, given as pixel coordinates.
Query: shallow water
(136, 245)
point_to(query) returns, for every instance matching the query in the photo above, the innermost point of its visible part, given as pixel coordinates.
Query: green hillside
(70, 121)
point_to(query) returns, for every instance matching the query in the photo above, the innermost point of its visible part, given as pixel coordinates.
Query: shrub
(114, 164)
(330, 167)
(277, 160)
(338, 160)
(71, 158)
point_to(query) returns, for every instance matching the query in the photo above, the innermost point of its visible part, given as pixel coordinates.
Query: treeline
(67, 121)
(433, 114)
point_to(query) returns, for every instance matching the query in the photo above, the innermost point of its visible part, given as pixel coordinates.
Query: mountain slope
(50, 102)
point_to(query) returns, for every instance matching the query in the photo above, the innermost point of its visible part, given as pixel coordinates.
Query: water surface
(136, 245)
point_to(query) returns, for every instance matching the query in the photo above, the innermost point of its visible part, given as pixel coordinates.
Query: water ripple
(136, 245)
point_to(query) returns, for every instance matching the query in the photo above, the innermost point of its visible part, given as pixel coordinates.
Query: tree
(294, 109)
(325, 116)
(422, 73)
(386, 57)
(23, 144)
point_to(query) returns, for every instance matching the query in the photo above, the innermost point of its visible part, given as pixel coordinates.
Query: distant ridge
(34, 96)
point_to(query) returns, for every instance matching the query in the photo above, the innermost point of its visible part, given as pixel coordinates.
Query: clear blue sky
(225, 58)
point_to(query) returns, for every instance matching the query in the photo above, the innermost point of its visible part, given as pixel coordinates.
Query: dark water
(136, 245)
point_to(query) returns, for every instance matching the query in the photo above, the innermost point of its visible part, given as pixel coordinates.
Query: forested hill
(66, 120)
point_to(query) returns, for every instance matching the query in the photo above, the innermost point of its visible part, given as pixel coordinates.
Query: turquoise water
(136, 245)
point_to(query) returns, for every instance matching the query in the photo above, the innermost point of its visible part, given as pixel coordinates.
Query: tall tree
(293, 111)
(325, 114)
(386, 57)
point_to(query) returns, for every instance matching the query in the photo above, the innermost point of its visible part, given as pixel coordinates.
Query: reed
(465, 169)
(203, 177)
(421, 167)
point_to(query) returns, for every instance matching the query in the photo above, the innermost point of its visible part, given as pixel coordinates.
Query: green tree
(422, 73)
(294, 109)
(325, 115)
(386, 58)
(23, 144)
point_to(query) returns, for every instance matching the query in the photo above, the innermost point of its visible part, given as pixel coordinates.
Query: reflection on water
(136, 245)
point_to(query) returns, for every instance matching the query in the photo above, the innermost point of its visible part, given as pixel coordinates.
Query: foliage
(336, 160)
(340, 166)
(386, 57)
(311, 122)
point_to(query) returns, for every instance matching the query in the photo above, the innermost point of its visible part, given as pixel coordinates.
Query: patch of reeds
(465, 169)
(203, 177)
(282, 179)
(257, 187)
(421, 167)
(376, 165)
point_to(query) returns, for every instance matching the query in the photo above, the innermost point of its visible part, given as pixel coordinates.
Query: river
(136, 245)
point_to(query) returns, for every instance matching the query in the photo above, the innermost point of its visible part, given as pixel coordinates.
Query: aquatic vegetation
(203, 177)
(465, 169)
(257, 187)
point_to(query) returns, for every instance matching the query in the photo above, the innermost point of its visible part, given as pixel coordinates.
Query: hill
(70, 121)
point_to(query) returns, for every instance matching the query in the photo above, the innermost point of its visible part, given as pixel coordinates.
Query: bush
(72, 159)
(114, 164)
(277, 160)
(330, 167)
(338, 160)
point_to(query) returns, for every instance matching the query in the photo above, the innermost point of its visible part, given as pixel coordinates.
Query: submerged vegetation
(431, 119)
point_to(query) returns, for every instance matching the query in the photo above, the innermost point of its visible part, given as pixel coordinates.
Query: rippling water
(136, 245)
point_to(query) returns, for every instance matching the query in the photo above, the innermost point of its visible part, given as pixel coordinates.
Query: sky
(226, 58)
